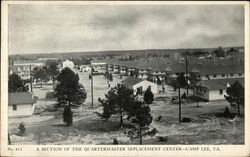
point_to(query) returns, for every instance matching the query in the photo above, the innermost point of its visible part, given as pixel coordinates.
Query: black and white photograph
(126, 74)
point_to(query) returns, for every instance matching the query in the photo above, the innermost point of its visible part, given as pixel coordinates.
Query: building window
(222, 75)
(207, 76)
(205, 91)
(240, 74)
(199, 76)
(231, 74)
(221, 91)
(14, 107)
(214, 75)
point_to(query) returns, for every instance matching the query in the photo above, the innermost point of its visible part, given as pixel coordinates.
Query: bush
(115, 141)
(67, 116)
(226, 112)
(21, 129)
(162, 139)
(50, 95)
(159, 118)
(186, 120)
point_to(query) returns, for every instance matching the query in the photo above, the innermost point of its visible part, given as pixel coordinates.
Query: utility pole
(9, 141)
(187, 71)
(92, 97)
(179, 95)
(30, 81)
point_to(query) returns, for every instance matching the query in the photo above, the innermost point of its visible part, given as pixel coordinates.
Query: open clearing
(87, 128)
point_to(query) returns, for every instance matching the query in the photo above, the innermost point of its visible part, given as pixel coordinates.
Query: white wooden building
(210, 90)
(21, 104)
(68, 64)
(137, 83)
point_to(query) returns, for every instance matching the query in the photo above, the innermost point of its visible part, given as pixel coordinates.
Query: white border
(30, 150)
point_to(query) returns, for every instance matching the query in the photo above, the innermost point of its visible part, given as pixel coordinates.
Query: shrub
(21, 129)
(115, 141)
(50, 95)
(159, 118)
(148, 96)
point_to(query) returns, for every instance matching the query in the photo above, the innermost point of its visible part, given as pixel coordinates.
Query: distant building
(215, 72)
(21, 104)
(85, 68)
(68, 64)
(48, 59)
(22, 71)
(140, 84)
(210, 90)
(99, 65)
(23, 68)
(36, 63)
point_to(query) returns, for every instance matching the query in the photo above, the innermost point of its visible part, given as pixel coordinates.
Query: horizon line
(89, 51)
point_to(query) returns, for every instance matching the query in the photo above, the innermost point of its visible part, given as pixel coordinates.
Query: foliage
(232, 51)
(69, 90)
(67, 116)
(16, 84)
(148, 96)
(180, 81)
(52, 70)
(109, 76)
(235, 95)
(21, 128)
(219, 52)
(118, 101)
(199, 53)
(115, 141)
(41, 74)
(141, 115)
(50, 95)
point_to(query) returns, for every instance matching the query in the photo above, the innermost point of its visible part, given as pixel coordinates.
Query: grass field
(87, 128)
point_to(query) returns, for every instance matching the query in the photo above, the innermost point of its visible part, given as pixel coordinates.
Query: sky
(41, 28)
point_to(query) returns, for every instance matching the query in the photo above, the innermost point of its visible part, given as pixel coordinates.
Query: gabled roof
(131, 81)
(219, 83)
(22, 98)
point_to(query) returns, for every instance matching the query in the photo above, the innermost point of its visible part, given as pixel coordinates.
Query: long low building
(21, 104)
(210, 90)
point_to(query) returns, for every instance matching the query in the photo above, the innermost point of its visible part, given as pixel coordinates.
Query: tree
(40, 74)
(179, 82)
(142, 117)
(235, 95)
(53, 71)
(16, 84)
(44, 76)
(148, 96)
(118, 101)
(69, 92)
(219, 52)
(182, 80)
(21, 128)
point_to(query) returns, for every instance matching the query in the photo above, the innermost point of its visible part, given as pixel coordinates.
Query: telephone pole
(92, 97)
(30, 80)
(187, 71)
(179, 95)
